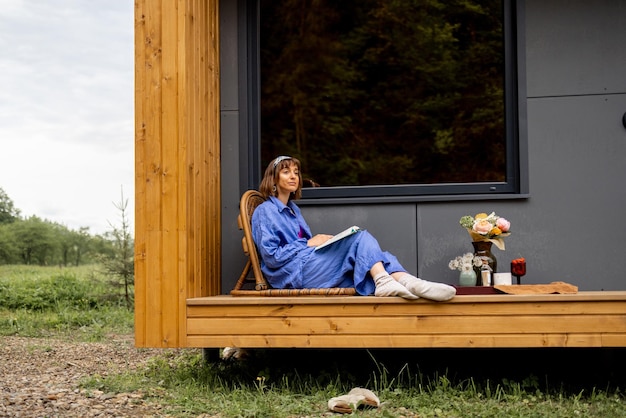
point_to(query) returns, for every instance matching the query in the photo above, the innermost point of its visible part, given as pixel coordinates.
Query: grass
(76, 302)
(191, 387)
(79, 304)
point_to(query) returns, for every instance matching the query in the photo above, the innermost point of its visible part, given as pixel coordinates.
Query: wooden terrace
(584, 319)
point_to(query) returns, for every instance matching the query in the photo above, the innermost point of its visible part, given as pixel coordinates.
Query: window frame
(515, 185)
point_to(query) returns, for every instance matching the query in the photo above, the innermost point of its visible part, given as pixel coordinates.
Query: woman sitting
(287, 248)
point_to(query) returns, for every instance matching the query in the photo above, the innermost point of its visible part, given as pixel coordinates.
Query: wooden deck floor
(585, 319)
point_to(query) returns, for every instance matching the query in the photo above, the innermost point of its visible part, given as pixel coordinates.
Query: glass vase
(467, 278)
(482, 249)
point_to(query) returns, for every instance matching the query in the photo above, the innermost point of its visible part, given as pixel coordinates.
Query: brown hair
(270, 178)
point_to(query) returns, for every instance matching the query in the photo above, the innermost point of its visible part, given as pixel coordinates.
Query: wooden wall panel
(140, 177)
(177, 164)
(213, 179)
(148, 243)
(171, 195)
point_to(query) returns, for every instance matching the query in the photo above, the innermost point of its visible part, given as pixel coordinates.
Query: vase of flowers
(485, 231)
(466, 264)
(482, 251)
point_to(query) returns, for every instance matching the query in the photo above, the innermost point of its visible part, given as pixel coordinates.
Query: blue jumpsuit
(281, 234)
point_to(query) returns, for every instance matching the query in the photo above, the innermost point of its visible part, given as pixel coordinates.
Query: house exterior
(194, 160)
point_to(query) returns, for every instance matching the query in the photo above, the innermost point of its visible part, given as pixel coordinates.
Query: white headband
(281, 158)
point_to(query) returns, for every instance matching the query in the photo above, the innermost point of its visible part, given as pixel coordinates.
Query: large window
(391, 97)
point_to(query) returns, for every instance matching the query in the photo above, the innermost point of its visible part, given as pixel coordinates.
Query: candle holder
(518, 268)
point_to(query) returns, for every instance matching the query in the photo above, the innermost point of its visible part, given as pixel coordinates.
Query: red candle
(518, 268)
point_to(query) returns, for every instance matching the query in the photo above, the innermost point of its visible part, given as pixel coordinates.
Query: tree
(73, 245)
(8, 212)
(34, 240)
(39, 241)
(119, 265)
(8, 253)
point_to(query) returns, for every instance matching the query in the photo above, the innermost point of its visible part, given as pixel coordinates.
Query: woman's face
(288, 180)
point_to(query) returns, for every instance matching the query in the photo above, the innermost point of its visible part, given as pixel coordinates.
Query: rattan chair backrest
(250, 200)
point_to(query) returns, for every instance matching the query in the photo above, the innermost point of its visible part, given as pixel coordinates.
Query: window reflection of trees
(370, 92)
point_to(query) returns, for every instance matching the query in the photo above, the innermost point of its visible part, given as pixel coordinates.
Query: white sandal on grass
(357, 397)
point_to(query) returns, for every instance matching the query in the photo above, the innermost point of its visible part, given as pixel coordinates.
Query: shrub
(40, 301)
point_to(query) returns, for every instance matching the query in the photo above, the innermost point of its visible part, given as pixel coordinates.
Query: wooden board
(177, 165)
(585, 319)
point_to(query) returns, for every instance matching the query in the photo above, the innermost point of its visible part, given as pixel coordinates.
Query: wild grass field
(73, 302)
(79, 304)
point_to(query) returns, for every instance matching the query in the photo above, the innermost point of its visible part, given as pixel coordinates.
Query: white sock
(388, 286)
(429, 290)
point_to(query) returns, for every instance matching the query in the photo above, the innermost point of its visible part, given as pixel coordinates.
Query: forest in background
(36, 241)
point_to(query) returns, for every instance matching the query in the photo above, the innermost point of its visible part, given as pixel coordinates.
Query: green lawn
(81, 304)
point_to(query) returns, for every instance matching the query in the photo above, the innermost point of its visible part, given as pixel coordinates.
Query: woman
(287, 248)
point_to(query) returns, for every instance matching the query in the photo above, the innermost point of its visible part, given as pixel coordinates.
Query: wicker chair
(249, 202)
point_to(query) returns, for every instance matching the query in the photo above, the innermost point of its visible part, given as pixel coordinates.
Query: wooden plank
(586, 296)
(190, 112)
(152, 66)
(587, 319)
(201, 130)
(613, 340)
(182, 178)
(194, 190)
(410, 341)
(213, 272)
(140, 177)
(198, 202)
(410, 325)
(170, 195)
(451, 309)
(177, 234)
(202, 105)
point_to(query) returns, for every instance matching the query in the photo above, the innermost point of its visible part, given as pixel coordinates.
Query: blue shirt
(281, 234)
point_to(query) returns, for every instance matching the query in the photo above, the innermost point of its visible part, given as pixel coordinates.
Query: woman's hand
(318, 239)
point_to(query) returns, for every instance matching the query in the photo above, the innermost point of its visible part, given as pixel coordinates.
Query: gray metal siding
(572, 227)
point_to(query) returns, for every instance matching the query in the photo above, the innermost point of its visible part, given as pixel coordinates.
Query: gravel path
(40, 378)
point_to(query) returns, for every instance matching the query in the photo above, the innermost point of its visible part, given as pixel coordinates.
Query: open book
(345, 233)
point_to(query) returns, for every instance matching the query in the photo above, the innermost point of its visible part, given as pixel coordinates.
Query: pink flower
(503, 224)
(482, 226)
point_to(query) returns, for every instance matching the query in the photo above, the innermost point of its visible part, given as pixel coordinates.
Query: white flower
(464, 262)
(467, 257)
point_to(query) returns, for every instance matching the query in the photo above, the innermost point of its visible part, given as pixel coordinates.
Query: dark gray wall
(232, 256)
(571, 228)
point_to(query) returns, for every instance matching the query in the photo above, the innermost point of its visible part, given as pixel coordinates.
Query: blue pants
(346, 263)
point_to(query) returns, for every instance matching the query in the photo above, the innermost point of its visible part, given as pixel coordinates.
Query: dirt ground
(40, 378)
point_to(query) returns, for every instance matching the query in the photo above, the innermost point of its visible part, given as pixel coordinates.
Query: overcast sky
(66, 109)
